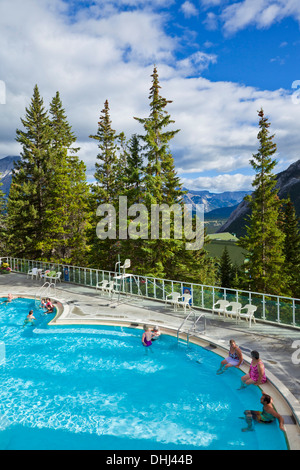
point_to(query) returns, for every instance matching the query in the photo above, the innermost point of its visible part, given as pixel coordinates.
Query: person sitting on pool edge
(49, 306)
(234, 359)
(256, 374)
(266, 416)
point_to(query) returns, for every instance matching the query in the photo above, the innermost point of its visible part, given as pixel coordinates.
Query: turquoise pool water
(99, 388)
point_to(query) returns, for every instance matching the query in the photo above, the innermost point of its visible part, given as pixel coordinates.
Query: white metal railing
(270, 308)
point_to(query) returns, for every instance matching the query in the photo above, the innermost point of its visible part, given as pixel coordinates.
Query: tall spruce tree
(3, 232)
(226, 269)
(106, 189)
(165, 257)
(68, 208)
(161, 182)
(29, 193)
(290, 227)
(264, 239)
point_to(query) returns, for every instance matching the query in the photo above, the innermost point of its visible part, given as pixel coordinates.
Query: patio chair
(110, 288)
(172, 298)
(33, 272)
(185, 302)
(220, 306)
(248, 314)
(53, 276)
(233, 310)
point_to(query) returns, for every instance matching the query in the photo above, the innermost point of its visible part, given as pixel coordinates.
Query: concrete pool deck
(277, 345)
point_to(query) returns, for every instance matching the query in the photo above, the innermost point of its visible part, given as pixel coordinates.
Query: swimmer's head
(31, 312)
(156, 328)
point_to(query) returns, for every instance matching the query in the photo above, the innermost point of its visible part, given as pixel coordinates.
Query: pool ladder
(192, 330)
(44, 291)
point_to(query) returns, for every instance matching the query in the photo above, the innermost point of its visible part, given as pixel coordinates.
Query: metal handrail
(271, 308)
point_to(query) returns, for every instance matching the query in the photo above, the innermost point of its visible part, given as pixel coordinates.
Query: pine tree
(161, 185)
(29, 192)
(68, 208)
(290, 226)
(264, 239)
(107, 159)
(106, 189)
(134, 171)
(3, 233)
(161, 182)
(226, 269)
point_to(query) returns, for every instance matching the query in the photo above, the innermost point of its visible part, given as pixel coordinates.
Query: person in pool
(49, 306)
(156, 333)
(9, 299)
(234, 359)
(29, 319)
(266, 416)
(147, 337)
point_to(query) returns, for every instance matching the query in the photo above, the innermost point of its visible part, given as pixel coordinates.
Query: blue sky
(219, 61)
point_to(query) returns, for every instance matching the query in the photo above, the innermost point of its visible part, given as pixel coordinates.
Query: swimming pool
(99, 388)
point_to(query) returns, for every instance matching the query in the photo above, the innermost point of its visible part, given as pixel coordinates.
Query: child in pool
(147, 337)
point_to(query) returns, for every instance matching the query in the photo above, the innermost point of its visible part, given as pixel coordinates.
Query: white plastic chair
(101, 285)
(109, 288)
(248, 314)
(53, 276)
(33, 272)
(172, 298)
(185, 302)
(220, 306)
(233, 310)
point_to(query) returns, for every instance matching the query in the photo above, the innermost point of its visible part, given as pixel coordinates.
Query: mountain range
(288, 184)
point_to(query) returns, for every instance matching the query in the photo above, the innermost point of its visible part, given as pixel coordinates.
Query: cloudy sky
(219, 61)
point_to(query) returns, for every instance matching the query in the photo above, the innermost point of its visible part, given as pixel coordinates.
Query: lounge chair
(220, 306)
(172, 298)
(248, 314)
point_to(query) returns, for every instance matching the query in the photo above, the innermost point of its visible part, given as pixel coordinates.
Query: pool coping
(286, 404)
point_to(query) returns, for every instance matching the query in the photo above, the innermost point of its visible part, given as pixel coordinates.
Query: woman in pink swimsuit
(256, 374)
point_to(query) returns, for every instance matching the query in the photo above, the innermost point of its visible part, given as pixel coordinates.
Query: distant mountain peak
(288, 184)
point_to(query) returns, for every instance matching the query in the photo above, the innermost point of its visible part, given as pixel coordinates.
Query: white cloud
(189, 9)
(261, 13)
(220, 183)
